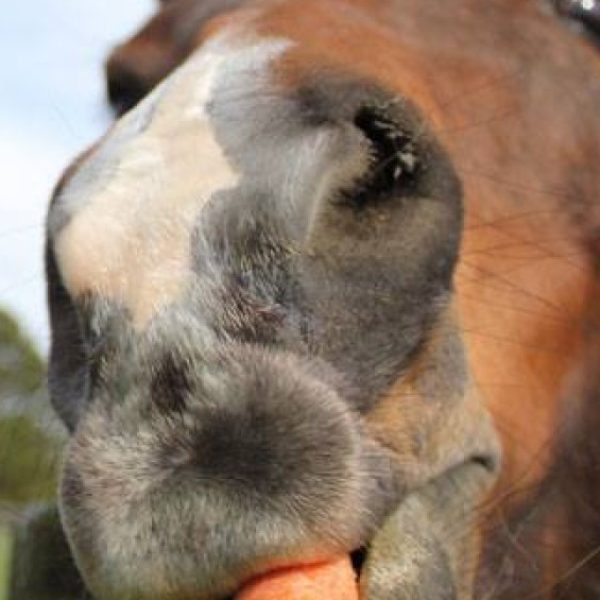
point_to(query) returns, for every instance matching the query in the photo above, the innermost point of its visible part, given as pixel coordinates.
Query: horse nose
(125, 86)
(135, 67)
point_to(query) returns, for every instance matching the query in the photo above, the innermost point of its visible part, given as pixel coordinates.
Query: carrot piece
(334, 580)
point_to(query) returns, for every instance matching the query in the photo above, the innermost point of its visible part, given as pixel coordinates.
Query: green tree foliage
(21, 368)
(35, 562)
(27, 460)
(28, 448)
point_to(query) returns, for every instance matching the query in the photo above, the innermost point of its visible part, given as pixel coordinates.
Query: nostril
(395, 147)
(125, 88)
(394, 157)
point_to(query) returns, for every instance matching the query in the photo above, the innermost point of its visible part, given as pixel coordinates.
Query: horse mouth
(358, 558)
(425, 549)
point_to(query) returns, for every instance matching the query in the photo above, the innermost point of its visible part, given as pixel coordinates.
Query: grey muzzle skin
(195, 480)
(246, 425)
(190, 483)
(242, 459)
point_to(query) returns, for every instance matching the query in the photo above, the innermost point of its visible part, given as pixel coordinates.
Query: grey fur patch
(333, 274)
(171, 385)
(261, 469)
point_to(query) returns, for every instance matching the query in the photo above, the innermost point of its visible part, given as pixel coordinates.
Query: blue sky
(51, 107)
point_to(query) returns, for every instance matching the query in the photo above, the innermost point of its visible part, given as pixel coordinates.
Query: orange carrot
(333, 580)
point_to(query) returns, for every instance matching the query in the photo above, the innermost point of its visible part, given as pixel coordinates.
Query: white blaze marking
(134, 202)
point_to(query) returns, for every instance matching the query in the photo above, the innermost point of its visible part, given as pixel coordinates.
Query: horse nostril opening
(394, 158)
(124, 88)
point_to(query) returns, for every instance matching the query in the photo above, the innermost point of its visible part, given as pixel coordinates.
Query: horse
(330, 285)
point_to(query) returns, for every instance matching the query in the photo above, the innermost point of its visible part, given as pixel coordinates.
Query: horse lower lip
(431, 536)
